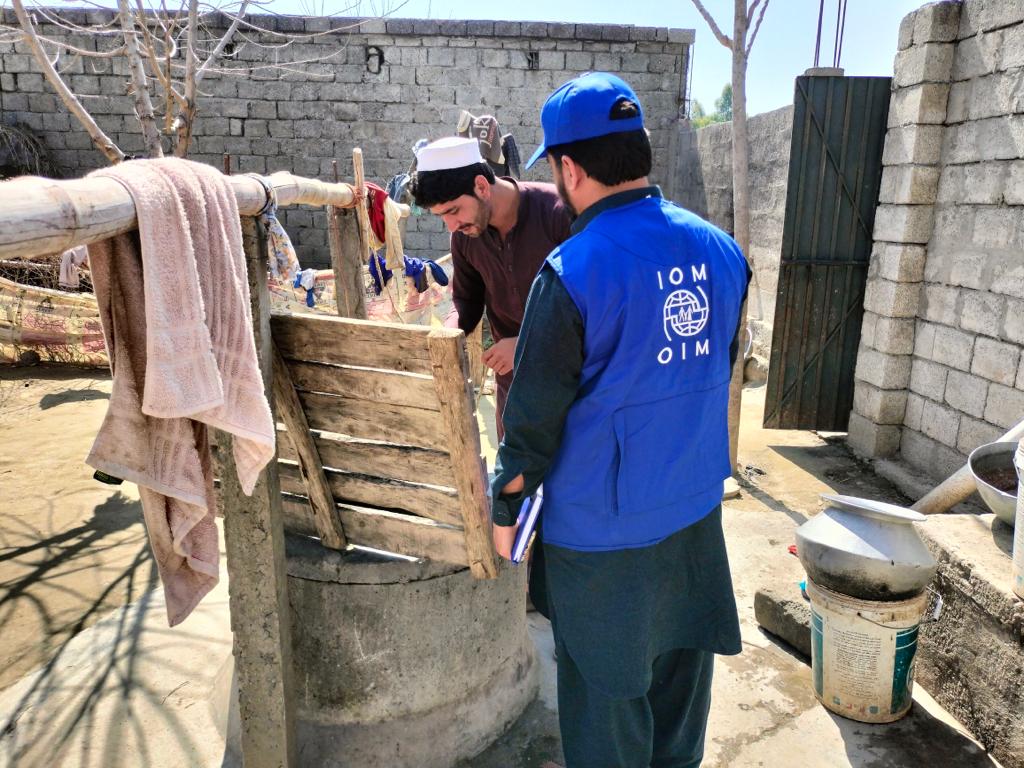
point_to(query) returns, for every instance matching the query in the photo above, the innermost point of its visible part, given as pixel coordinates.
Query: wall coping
(420, 27)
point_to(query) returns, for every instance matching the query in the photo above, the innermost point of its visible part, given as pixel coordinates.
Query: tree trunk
(740, 206)
(143, 105)
(183, 124)
(740, 144)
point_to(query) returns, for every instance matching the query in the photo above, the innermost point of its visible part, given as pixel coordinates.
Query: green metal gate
(835, 169)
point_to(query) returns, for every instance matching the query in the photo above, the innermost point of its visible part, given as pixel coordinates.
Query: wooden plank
(398, 462)
(409, 390)
(310, 468)
(374, 421)
(347, 262)
(254, 538)
(437, 504)
(451, 377)
(346, 341)
(475, 350)
(387, 531)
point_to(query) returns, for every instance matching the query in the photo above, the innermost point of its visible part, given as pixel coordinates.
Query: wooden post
(254, 536)
(321, 500)
(347, 259)
(363, 218)
(395, 289)
(451, 379)
(475, 350)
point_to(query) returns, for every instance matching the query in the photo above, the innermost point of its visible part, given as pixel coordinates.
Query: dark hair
(610, 159)
(430, 188)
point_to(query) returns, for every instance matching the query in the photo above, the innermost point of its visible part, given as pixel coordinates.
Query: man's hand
(501, 356)
(504, 538)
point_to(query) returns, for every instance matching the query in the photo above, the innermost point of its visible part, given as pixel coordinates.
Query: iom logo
(686, 313)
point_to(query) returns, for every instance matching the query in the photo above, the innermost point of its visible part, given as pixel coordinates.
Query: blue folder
(529, 514)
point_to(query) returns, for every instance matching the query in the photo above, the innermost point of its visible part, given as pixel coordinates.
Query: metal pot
(865, 549)
(983, 461)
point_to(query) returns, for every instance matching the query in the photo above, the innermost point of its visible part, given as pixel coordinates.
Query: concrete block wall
(967, 380)
(704, 185)
(301, 120)
(903, 227)
(951, 241)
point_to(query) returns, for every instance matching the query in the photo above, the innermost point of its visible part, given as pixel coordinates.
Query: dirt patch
(71, 549)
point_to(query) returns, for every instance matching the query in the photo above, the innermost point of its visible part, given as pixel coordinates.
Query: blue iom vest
(645, 449)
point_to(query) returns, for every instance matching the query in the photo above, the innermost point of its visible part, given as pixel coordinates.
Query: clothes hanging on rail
(284, 263)
(70, 262)
(174, 304)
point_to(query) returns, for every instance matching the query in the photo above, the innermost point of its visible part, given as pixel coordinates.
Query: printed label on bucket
(861, 668)
(903, 668)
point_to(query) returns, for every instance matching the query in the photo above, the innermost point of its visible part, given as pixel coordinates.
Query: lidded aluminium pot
(865, 549)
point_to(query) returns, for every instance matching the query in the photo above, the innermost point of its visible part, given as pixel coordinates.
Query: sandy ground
(130, 692)
(71, 549)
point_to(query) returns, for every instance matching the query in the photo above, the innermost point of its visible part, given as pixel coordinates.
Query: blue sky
(783, 50)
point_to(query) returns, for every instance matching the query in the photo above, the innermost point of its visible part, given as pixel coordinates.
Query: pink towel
(174, 302)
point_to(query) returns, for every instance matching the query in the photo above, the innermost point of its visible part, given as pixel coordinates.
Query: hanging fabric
(284, 263)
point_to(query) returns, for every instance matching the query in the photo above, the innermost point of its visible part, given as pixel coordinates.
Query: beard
(563, 193)
(480, 222)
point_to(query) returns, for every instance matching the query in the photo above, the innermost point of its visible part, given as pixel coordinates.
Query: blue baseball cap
(583, 109)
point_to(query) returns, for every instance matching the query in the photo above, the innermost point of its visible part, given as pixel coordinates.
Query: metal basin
(992, 466)
(865, 549)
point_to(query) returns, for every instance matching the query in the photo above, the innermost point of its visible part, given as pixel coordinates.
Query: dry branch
(719, 35)
(103, 142)
(757, 27)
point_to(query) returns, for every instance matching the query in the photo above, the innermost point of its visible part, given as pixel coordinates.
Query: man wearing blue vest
(619, 406)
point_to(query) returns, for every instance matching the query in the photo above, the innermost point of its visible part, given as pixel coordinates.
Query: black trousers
(664, 729)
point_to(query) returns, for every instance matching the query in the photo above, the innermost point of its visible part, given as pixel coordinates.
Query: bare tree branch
(719, 35)
(112, 53)
(74, 106)
(751, 10)
(140, 86)
(94, 29)
(185, 120)
(753, 35)
(222, 43)
(151, 54)
(293, 37)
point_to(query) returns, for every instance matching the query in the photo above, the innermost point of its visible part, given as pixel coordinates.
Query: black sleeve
(548, 366)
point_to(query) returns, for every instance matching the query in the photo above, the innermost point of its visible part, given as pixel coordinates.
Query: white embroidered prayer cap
(447, 153)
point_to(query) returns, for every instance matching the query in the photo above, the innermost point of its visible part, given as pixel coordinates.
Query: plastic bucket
(1017, 576)
(862, 653)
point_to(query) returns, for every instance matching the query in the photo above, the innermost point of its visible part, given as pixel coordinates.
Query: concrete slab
(130, 692)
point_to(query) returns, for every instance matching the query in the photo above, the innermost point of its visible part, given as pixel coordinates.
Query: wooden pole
(346, 259)
(39, 217)
(258, 578)
(451, 379)
(363, 217)
(396, 288)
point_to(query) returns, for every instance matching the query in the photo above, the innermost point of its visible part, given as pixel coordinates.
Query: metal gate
(835, 169)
